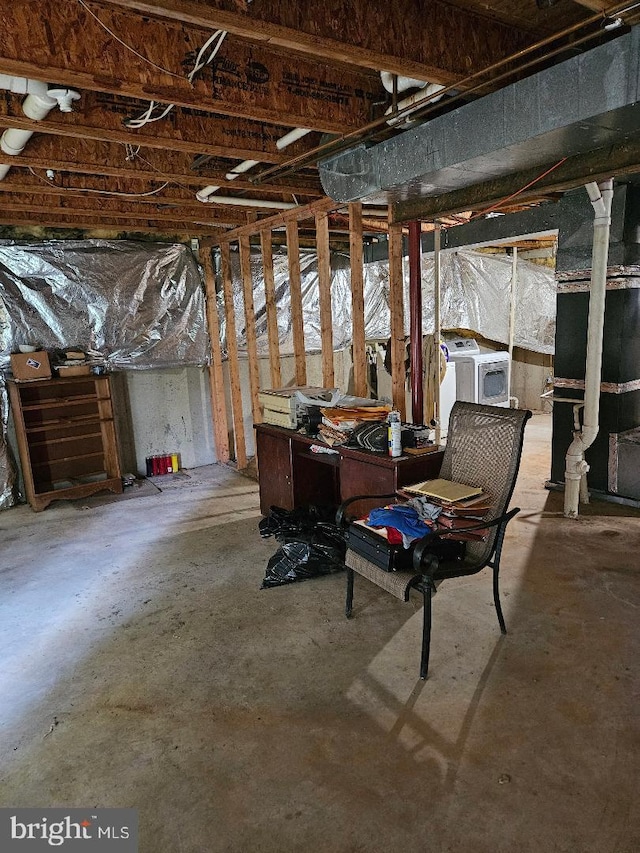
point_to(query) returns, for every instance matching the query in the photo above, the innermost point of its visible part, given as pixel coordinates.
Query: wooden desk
(291, 476)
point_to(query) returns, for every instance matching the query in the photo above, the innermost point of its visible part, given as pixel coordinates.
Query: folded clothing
(403, 518)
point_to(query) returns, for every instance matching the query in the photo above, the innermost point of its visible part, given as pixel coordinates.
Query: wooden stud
(266, 245)
(324, 286)
(216, 376)
(357, 300)
(396, 305)
(296, 214)
(234, 365)
(250, 327)
(295, 290)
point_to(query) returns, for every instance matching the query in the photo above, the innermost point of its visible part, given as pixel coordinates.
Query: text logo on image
(35, 830)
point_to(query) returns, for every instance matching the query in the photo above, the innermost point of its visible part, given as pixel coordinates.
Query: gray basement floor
(143, 667)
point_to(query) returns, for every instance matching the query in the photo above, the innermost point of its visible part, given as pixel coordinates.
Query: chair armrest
(422, 545)
(340, 514)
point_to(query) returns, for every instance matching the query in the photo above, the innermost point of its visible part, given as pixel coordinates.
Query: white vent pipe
(287, 139)
(249, 202)
(402, 83)
(576, 467)
(36, 106)
(418, 98)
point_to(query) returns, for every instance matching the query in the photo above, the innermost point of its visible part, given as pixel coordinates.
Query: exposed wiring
(128, 46)
(517, 192)
(135, 155)
(100, 192)
(215, 43)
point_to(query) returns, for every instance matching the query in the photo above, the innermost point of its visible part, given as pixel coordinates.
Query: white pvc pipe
(36, 106)
(13, 140)
(402, 83)
(250, 202)
(291, 137)
(576, 467)
(287, 139)
(416, 98)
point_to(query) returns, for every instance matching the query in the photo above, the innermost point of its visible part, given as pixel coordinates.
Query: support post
(415, 321)
(437, 331)
(216, 376)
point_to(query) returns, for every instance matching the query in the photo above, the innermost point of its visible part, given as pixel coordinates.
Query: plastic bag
(311, 545)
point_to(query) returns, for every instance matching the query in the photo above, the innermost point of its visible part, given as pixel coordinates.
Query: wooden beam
(617, 160)
(377, 35)
(114, 210)
(234, 363)
(166, 229)
(357, 300)
(396, 306)
(47, 40)
(295, 292)
(324, 287)
(197, 137)
(297, 214)
(266, 245)
(250, 327)
(149, 166)
(216, 376)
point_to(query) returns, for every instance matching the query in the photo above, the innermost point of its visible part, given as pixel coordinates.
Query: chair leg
(496, 599)
(349, 605)
(426, 630)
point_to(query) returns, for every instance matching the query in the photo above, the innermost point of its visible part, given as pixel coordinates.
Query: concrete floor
(143, 667)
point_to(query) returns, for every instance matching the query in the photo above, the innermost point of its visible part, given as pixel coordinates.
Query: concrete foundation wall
(167, 411)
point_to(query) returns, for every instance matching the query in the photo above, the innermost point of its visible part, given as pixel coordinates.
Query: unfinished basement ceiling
(159, 119)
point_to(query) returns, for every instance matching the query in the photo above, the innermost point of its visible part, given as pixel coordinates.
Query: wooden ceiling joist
(62, 43)
(118, 210)
(110, 159)
(377, 35)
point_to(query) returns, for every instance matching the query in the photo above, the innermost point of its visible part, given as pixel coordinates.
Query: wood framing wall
(227, 408)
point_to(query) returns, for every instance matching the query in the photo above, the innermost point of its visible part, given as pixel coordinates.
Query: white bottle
(395, 434)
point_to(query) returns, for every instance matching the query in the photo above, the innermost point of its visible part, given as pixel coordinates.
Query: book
(455, 524)
(447, 491)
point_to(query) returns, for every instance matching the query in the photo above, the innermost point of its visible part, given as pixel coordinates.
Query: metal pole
(512, 311)
(437, 330)
(415, 323)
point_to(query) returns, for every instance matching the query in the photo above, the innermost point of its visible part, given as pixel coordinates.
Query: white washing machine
(481, 377)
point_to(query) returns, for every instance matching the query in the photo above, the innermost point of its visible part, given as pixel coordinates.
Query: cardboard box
(28, 366)
(74, 370)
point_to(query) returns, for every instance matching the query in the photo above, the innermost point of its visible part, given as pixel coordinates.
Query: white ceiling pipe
(22, 85)
(403, 83)
(36, 106)
(240, 168)
(418, 98)
(249, 202)
(287, 139)
(291, 137)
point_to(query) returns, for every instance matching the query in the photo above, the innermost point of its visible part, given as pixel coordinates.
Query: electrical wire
(128, 46)
(148, 115)
(135, 155)
(101, 192)
(517, 192)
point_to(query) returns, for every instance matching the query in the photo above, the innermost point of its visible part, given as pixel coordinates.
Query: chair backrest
(484, 445)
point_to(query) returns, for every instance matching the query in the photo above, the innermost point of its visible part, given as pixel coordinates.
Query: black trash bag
(311, 545)
(284, 522)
